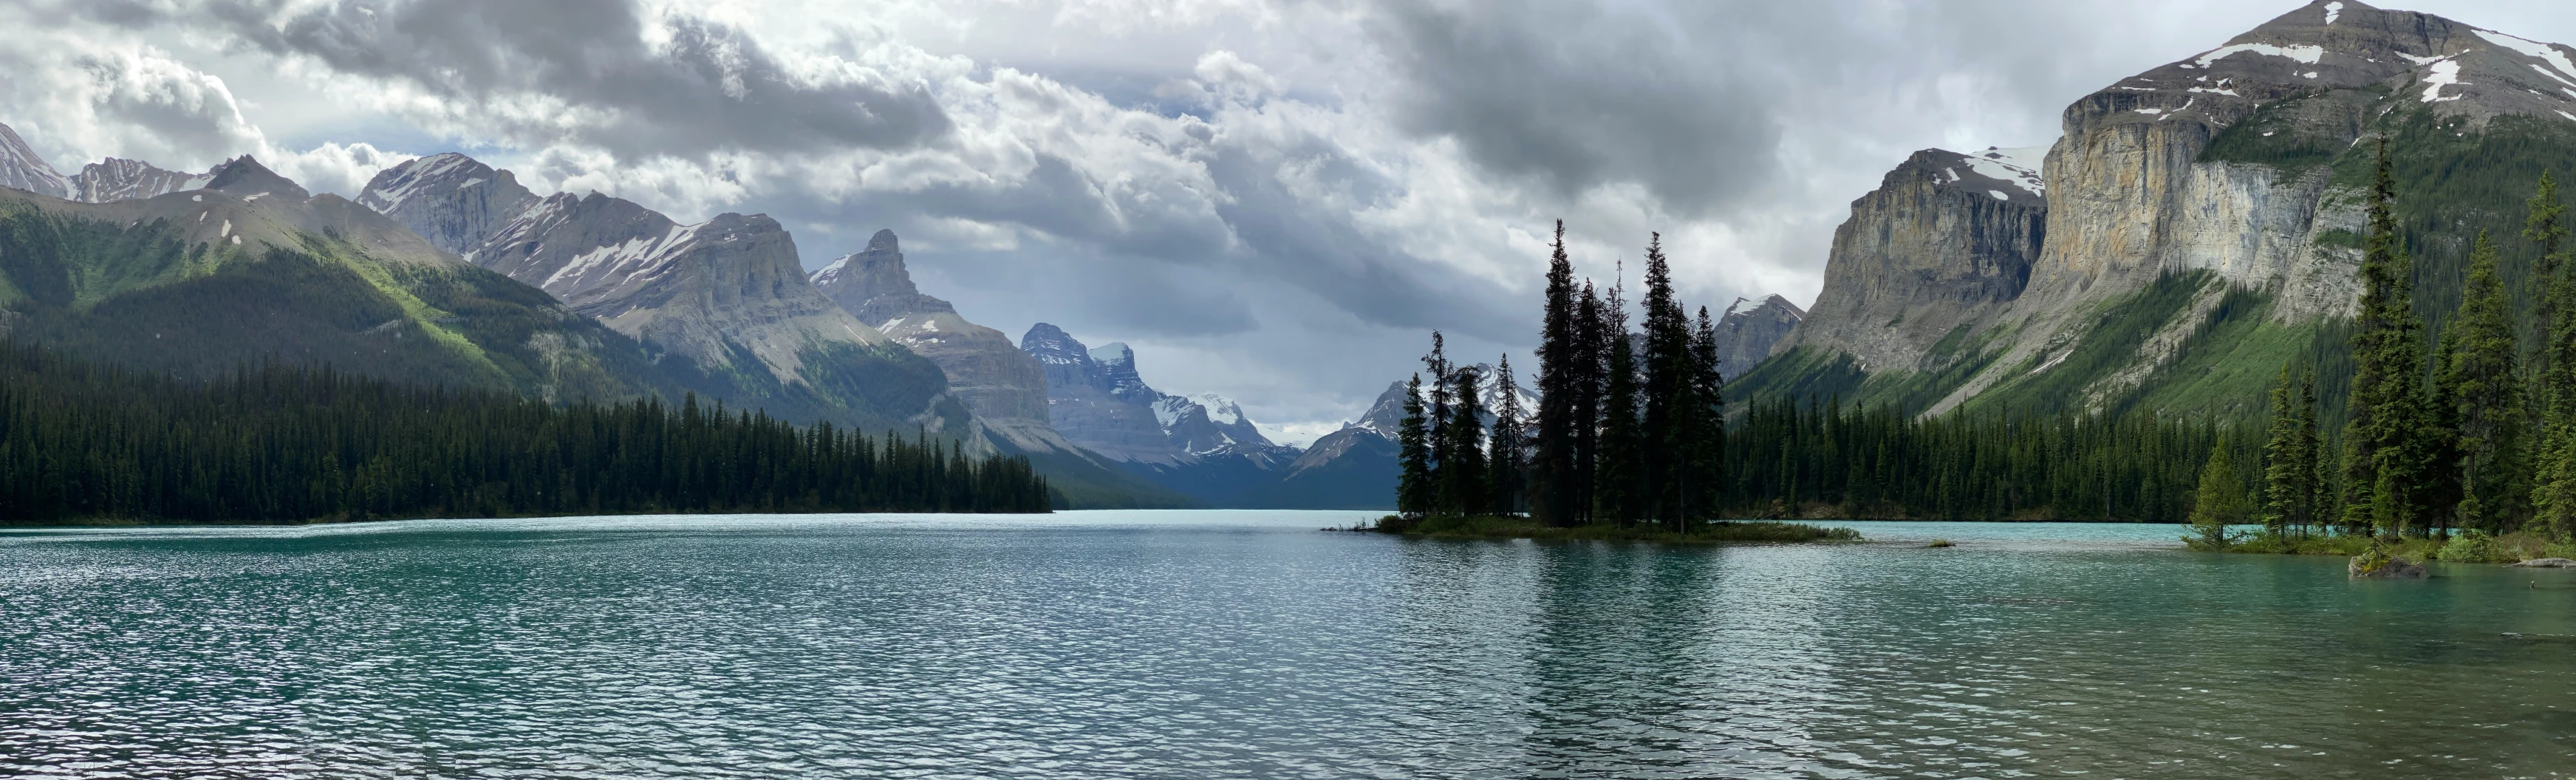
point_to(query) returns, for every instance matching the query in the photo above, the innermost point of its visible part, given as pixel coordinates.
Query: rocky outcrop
(874, 284)
(1001, 383)
(1945, 241)
(455, 201)
(1746, 334)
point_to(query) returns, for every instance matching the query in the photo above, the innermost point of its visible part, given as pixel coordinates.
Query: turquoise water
(1250, 644)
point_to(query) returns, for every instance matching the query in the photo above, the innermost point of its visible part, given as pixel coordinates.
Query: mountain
(117, 179)
(728, 295)
(1202, 446)
(1352, 468)
(22, 169)
(252, 268)
(1746, 334)
(2196, 227)
(1000, 384)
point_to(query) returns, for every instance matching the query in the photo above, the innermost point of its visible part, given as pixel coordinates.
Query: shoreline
(1718, 532)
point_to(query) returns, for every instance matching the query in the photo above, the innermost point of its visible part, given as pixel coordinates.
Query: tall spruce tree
(1616, 481)
(2220, 500)
(2394, 442)
(1663, 462)
(1437, 414)
(1561, 354)
(1706, 420)
(1591, 336)
(2554, 484)
(2284, 473)
(1414, 483)
(2311, 454)
(1462, 477)
(1507, 453)
(2483, 385)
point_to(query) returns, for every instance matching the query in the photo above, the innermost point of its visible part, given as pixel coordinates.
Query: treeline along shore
(84, 443)
(2467, 437)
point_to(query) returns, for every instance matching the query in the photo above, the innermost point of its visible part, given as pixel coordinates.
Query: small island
(1503, 527)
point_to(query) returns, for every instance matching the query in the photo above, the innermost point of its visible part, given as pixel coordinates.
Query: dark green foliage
(1414, 488)
(1881, 462)
(287, 444)
(2396, 441)
(2292, 476)
(1618, 481)
(1463, 468)
(2299, 133)
(1507, 453)
(1561, 354)
(2220, 499)
(2483, 385)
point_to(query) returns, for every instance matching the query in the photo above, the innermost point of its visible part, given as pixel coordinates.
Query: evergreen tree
(2394, 440)
(2220, 500)
(2285, 473)
(1413, 484)
(1592, 335)
(1617, 477)
(1464, 490)
(1704, 473)
(2484, 387)
(2312, 495)
(1438, 415)
(1508, 451)
(1561, 356)
(1669, 382)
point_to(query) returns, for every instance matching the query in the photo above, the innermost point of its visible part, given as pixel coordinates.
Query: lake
(1251, 644)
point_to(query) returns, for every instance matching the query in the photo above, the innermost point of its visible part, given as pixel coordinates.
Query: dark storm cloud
(1580, 96)
(710, 88)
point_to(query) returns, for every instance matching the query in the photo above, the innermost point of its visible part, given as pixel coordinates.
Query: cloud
(600, 73)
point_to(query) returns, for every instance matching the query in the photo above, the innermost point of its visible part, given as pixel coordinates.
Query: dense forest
(2422, 435)
(277, 443)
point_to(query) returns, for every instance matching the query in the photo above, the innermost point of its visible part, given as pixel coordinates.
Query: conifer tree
(2554, 483)
(1668, 383)
(1592, 337)
(2483, 384)
(1617, 479)
(1437, 414)
(2284, 473)
(2220, 500)
(1561, 355)
(2393, 442)
(1464, 490)
(2311, 454)
(1705, 473)
(1508, 452)
(1413, 485)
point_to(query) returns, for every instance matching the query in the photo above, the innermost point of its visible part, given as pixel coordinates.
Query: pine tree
(2220, 500)
(1705, 473)
(1592, 337)
(1561, 355)
(1664, 441)
(2284, 473)
(1462, 476)
(2393, 442)
(2554, 484)
(1617, 477)
(1438, 416)
(1413, 486)
(2483, 384)
(1508, 453)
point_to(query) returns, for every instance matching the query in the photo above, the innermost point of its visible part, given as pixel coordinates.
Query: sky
(1272, 200)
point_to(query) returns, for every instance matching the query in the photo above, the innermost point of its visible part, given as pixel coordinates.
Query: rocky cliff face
(1945, 241)
(1746, 334)
(1001, 383)
(2234, 172)
(728, 294)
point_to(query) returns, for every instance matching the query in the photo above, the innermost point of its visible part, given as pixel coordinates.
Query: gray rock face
(728, 293)
(1002, 384)
(1097, 398)
(117, 179)
(1746, 334)
(1946, 240)
(874, 284)
(455, 201)
(20, 168)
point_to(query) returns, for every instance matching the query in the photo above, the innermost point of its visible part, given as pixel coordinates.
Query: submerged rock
(2388, 569)
(2546, 563)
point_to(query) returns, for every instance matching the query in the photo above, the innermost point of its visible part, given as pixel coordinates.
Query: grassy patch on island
(1492, 527)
